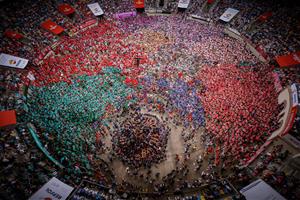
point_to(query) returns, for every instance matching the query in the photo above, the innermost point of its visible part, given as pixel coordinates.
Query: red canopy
(292, 59)
(7, 117)
(139, 3)
(13, 35)
(52, 27)
(66, 9)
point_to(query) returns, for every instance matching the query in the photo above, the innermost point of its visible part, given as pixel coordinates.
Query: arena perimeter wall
(286, 122)
(235, 34)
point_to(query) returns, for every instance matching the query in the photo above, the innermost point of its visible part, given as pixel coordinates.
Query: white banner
(298, 92)
(96, 9)
(183, 3)
(295, 99)
(229, 14)
(54, 189)
(12, 61)
(260, 190)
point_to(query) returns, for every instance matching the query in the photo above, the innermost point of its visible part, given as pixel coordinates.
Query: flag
(288, 60)
(139, 3)
(66, 9)
(13, 35)
(52, 27)
(7, 118)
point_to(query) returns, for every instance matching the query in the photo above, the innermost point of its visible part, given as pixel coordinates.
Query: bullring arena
(149, 99)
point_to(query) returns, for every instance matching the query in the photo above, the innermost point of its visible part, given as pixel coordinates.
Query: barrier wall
(235, 34)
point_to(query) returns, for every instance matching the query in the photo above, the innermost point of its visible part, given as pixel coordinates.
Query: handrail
(41, 147)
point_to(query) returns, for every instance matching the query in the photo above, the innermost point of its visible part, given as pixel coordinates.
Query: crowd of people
(241, 109)
(195, 71)
(271, 166)
(141, 139)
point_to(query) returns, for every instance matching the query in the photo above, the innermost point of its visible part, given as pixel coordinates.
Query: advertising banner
(260, 190)
(96, 9)
(7, 118)
(88, 23)
(66, 9)
(52, 27)
(183, 3)
(229, 14)
(295, 93)
(54, 189)
(139, 3)
(292, 59)
(13, 35)
(290, 121)
(12, 61)
(124, 15)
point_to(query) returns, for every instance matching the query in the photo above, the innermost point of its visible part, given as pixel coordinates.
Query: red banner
(7, 118)
(139, 3)
(13, 35)
(52, 27)
(210, 1)
(291, 121)
(265, 16)
(88, 23)
(292, 59)
(66, 9)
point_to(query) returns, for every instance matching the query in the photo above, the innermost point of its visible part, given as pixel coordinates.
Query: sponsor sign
(88, 23)
(297, 85)
(13, 35)
(124, 15)
(229, 14)
(260, 190)
(66, 9)
(139, 3)
(295, 98)
(12, 61)
(292, 59)
(290, 121)
(183, 3)
(54, 190)
(7, 118)
(96, 9)
(52, 27)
